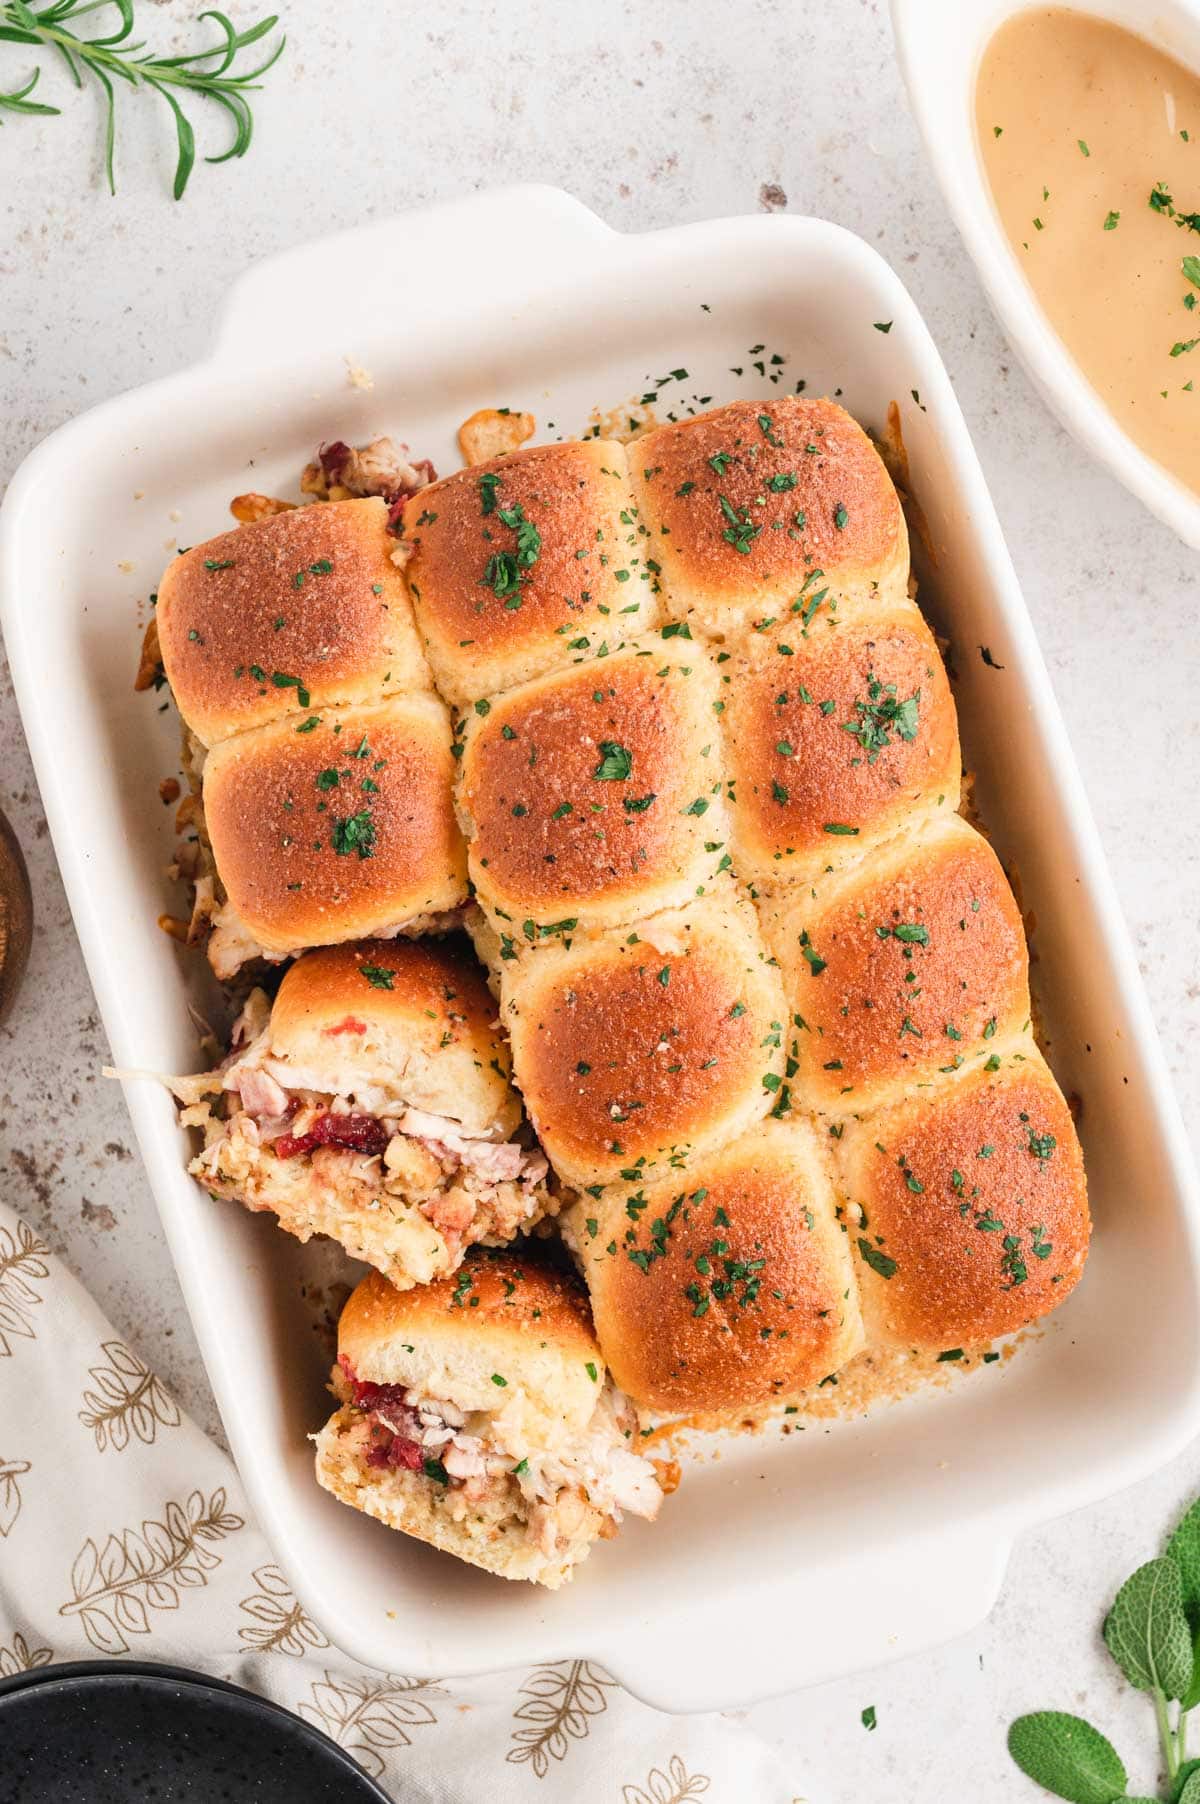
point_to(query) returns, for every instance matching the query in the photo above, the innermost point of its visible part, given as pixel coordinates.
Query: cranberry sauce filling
(356, 1133)
(392, 1443)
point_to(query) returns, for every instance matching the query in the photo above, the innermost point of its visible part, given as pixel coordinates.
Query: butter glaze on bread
(894, 973)
(836, 732)
(907, 964)
(754, 507)
(727, 1285)
(486, 626)
(637, 1050)
(507, 1314)
(966, 1206)
(340, 832)
(310, 596)
(593, 793)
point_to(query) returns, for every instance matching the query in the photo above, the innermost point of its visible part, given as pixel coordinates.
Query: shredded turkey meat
(340, 471)
(487, 1450)
(366, 1149)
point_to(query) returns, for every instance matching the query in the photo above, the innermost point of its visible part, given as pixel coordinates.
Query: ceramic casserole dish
(783, 1559)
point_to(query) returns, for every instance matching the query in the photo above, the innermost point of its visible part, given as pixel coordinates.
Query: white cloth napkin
(123, 1530)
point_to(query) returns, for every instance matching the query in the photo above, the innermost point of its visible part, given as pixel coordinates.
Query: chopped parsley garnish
(615, 763)
(812, 957)
(881, 715)
(740, 531)
(878, 1261)
(282, 681)
(378, 976)
(354, 833)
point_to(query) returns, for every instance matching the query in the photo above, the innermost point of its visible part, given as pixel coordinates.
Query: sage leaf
(1191, 1786)
(1181, 1778)
(1192, 1696)
(1184, 1549)
(1068, 1757)
(1147, 1631)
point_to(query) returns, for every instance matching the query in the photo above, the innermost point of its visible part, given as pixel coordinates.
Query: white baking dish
(941, 44)
(784, 1560)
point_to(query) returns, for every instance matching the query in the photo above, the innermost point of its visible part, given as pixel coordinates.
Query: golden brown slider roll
(642, 1047)
(757, 509)
(300, 611)
(527, 563)
(477, 1415)
(372, 1103)
(836, 735)
(725, 1288)
(908, 965)
(968, 1208)
(331, 829)
(595, 795)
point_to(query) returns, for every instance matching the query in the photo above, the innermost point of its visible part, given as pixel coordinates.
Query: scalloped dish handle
(378, 273)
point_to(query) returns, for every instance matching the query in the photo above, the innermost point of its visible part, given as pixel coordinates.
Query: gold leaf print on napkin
(281, 1625)
(10, 1491)
(128, 1399)
(115, 1587)
(560, 1701)
(21, 1658)
(367, 1715)
(675, 1786)
(22, 1266)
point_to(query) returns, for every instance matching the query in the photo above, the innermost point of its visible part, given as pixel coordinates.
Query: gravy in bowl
(1090, 139)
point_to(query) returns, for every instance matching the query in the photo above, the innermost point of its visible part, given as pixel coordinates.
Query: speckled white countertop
(652, 114)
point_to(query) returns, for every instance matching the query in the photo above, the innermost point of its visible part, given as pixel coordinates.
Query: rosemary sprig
(115, 56)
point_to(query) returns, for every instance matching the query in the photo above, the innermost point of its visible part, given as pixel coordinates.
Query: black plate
(116, 1732)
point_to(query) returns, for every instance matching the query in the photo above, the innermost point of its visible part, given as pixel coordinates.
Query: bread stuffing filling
(271, 1130)
(488, 1454)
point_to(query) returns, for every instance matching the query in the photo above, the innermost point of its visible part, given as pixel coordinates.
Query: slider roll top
(594, 795)
(304, 610)
(526, 564)
(319, 756)
(336, 827)
(955, 1162)
(641, 1048)
(839, 733)
(725, 1286)
(967, 1207)
(901, 968)
(372, 1102)
(754, 510)
(477, 1415)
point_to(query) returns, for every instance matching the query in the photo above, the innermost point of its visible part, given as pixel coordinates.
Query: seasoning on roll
(901, 966)
(592, 794)
(476, 1414)
(332, 827)
(300, 612)
(726, 1287)
(749, 506)
(835, 732)
(526, 563)
(643, 1047)
(372, 1102)
(967, 1207)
